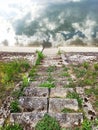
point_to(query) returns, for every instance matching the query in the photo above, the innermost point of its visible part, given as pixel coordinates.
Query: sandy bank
(50, 51)
(20, 49)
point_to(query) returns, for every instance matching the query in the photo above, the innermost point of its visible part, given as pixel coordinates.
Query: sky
(57, 21)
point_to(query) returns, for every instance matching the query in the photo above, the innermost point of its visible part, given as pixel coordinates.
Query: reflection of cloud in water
(32, 22)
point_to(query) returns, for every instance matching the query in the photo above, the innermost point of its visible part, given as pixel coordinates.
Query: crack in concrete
(48, 99)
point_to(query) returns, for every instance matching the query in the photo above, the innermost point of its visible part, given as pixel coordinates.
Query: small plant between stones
(39, 58)
(75, 96)
(14, 106)
(11, 127)
(47, 123)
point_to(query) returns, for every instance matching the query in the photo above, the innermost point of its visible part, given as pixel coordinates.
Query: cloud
(87, 28)
(6, 32)
(48, 19)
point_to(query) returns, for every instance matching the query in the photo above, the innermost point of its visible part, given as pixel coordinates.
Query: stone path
(38, 100)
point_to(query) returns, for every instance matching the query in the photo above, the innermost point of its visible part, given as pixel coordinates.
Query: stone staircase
(37, 101)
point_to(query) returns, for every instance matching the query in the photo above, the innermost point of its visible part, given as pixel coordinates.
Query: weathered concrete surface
(57, 104)
(89, 110)
(48, 51)
(36, 92)
(49, 61)
(68, 120)
(81, 58)
(20, 49)
(80, 90)
(27, 119)
(78, 49)
(60, 92)
(35, 84)
(39, 80)
(29, 104)
(77, 58)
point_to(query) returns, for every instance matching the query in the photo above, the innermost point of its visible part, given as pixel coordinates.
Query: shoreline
(47, 51)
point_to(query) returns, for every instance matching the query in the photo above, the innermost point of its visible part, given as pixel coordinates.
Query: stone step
(27, 119)
(45, 78)
(59, 82)
(52, 61)
(36, 92)
(66, 120)
(30, 104)
(35, 84)
(44, 92)
(60, 92)
(56, 105)
(45, 69)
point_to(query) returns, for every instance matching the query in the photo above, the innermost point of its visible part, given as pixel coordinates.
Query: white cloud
(87, 29)
(49, 25)
(6, 32)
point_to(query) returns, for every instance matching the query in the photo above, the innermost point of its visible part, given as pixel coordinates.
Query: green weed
(47, 84)
(14, 106)
(39, 58)
(25, 81)
(86, 125)
(96, 66)
(33, 73)
(86, 65)
(47, 123)
(65, 74)
(12, 127)
(75, 95)
(11, 71)
(51, 69)
(67, 110)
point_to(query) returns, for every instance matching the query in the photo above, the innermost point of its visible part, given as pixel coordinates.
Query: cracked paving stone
(29, 104)
(57, 104)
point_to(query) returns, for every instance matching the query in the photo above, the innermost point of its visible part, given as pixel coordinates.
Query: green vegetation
(25, 82)
(92, 90)
(71, 84)
(86, 125)
(51, 68)
(59, 52)
(47, 84)
(65, 74)
(39, 58)
(79, 72)
(85, 73)
(86, 65)
(96, 105)
(75, 96)
(11, 72)
(67, 110)
(12, 127)
(14, 106)
(65, 68)
(17, 93)
(33, 73)
(96, 66)
(47, 123)
(88, 91)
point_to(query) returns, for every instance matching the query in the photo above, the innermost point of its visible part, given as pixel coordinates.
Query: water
(54, 22)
